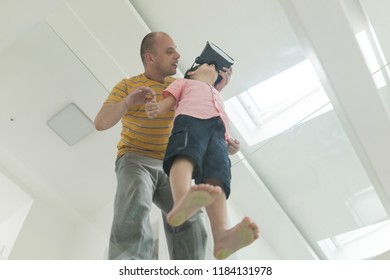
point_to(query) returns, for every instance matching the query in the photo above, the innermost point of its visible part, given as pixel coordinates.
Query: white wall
(90, 237)
(14, 207)
(10, 228)
(45, 234)
(87, 242)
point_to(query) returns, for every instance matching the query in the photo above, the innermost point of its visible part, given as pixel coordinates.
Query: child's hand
(152, 108)
(226, 75)
(139, 96)
(233, 146)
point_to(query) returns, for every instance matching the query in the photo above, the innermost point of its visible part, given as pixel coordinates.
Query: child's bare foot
(198, 196)
(241, 235)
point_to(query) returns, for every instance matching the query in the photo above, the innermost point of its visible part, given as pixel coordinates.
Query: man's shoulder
(142, 80)
(136, 79)
(171, 79)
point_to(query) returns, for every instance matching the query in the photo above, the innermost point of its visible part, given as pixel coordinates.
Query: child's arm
(154, 108)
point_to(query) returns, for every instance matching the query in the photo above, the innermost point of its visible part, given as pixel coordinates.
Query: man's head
(159, 56)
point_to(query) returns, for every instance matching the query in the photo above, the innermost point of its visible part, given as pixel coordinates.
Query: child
(198, 149)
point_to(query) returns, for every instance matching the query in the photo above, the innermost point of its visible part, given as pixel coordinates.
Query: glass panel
(378, 23)
(369, 21)
(384, 91)
(313, 172)
(308, 162)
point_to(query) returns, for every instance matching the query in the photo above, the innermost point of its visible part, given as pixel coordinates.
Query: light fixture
(71, 124)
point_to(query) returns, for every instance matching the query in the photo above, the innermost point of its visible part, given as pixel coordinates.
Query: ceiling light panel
(71, 124)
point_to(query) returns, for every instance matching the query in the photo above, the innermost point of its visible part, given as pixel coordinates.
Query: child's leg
(180, 176)
(187, 199)
(227, 241)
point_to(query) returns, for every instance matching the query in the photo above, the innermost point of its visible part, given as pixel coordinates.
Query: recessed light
(71, 124)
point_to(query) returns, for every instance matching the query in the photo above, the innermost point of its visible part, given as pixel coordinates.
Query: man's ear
(149, 57)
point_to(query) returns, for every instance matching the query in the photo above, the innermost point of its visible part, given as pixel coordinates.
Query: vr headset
(212, 54)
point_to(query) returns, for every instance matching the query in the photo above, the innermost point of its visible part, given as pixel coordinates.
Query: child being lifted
(198, 149)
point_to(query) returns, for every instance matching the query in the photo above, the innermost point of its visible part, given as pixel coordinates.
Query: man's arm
(110, 113)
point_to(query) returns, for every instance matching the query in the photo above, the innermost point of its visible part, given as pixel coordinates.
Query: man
(141, 179)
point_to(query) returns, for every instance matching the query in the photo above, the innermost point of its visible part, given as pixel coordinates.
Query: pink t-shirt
(198, 99)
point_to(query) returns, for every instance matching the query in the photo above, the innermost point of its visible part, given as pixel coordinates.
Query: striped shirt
(140, 134)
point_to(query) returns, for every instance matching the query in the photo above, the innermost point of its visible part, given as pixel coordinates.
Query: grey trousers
(141, 182)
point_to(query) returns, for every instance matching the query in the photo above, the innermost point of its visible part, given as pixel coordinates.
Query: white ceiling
(54, 52)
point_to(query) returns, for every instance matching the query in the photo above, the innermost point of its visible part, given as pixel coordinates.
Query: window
(362, 243)
(278, 103)
(370, 58)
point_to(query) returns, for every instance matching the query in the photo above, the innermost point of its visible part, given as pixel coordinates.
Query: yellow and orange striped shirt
(140, 134)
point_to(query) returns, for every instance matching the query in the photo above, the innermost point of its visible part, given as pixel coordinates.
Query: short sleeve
(175, 89)
(119, 92)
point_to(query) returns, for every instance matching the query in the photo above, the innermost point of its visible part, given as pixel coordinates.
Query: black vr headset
(212, 54)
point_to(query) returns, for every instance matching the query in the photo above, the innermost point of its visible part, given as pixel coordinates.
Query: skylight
(370, 58)
(278, 103)
(362, 243)
(367, 241)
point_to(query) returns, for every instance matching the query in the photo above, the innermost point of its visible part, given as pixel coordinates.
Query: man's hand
(233, 146)
(139, 96)
(226, 73)
(152, 108)
(111, 113)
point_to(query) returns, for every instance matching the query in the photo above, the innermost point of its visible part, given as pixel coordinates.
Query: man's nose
(177, 55)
